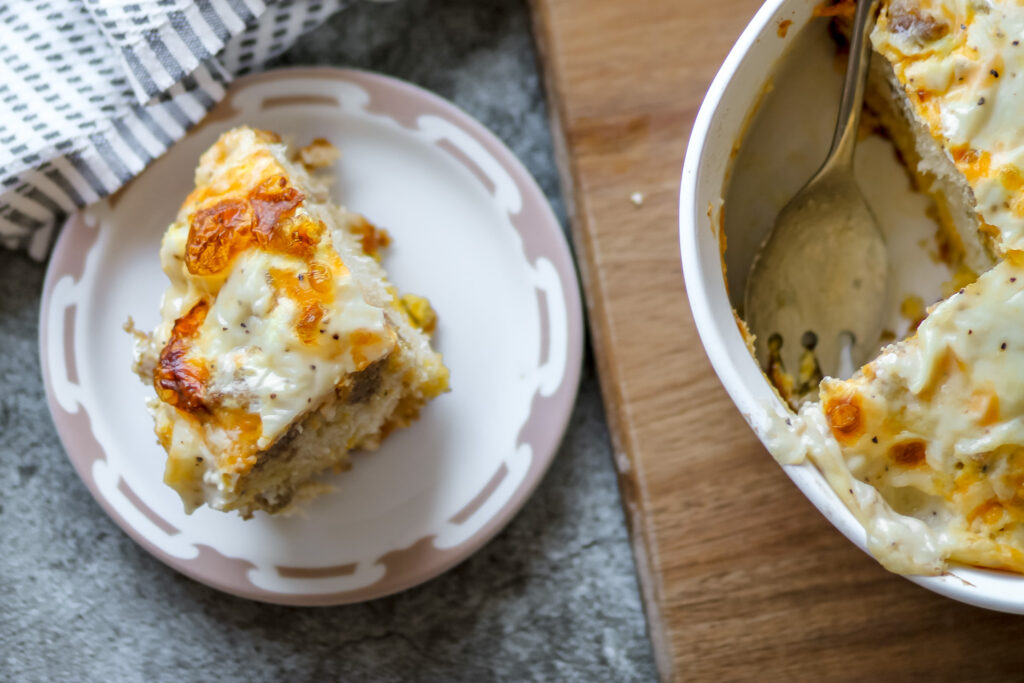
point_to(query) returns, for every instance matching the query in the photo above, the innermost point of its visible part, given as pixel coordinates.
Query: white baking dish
(782, 69)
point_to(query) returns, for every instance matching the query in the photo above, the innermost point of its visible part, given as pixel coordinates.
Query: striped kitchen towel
(93, 90)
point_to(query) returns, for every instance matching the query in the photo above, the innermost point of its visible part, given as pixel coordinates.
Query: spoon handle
(845, 137)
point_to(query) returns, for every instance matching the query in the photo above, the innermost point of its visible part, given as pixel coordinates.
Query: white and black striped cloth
(93, 90)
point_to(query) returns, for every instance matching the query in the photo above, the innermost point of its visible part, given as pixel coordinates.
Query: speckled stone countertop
(553, 597)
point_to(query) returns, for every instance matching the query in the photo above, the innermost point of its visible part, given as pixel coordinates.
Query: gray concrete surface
(553, 597)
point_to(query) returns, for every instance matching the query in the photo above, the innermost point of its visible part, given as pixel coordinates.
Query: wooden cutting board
(741, 577)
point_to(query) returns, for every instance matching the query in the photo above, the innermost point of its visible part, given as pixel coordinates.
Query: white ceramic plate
(777, 93)
(472, 232)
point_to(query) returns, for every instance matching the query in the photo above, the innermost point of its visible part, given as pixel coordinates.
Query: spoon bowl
(823, 269)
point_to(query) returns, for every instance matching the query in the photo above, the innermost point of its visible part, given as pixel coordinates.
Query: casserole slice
(282, 345)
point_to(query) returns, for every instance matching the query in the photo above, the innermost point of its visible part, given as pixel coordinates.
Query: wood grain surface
(742, 578)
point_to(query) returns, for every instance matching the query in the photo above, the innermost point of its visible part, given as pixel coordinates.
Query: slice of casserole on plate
(282, 344)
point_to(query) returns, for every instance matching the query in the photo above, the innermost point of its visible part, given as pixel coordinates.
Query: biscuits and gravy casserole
(925, 444)
(282, 345)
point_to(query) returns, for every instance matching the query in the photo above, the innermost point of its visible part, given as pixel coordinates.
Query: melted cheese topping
(262, 320)
(926, 443)
(961, 63)
(901, 543)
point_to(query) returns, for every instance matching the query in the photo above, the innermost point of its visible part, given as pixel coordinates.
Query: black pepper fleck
(273, 396)
(1002, 347)
(300, 276)
(995, 74)
(312, 367)
(961, 291)
(970, 331)
(1015, 43)
(335, 335)
(198, 459)
(981, 100)
(874, 439)
(243, 325)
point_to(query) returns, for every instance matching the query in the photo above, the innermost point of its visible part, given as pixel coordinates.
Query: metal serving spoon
(823, 267)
